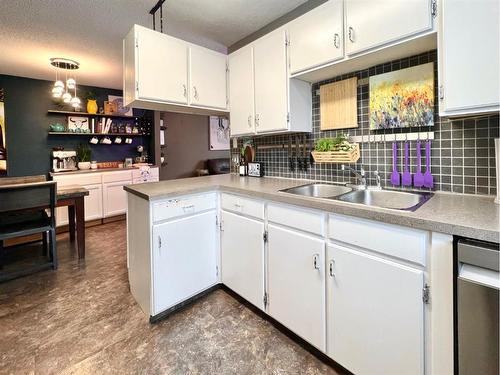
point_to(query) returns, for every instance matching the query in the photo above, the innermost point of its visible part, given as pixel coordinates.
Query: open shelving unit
(97, 134)
(85, 114)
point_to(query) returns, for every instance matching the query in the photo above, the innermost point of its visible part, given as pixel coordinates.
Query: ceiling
(91, 31)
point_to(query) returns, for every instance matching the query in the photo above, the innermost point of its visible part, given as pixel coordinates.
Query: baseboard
(114, 218)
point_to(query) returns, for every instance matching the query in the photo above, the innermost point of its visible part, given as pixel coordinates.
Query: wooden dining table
(73, 197)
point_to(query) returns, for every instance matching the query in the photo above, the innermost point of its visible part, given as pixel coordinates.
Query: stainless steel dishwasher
(477, 301)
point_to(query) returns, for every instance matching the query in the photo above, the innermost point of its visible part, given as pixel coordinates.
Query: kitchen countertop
(471, 216)
(80, 171)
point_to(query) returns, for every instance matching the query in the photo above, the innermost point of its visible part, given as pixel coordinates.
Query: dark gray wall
(297, 12)
(187, 140)
(27, 122)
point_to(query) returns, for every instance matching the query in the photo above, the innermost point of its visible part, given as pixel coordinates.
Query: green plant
(339, 143)
(83, 153)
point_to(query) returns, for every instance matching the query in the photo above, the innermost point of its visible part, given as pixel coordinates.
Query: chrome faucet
(377, 178)
(359, 175)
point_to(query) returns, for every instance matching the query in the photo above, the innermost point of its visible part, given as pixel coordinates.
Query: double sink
(393, 199)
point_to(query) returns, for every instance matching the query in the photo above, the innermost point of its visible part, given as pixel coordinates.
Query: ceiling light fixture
(60, 90)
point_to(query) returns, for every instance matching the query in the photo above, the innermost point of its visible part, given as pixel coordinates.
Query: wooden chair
(23, 212)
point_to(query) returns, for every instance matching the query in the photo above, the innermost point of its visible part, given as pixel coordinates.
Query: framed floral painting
(403, 98)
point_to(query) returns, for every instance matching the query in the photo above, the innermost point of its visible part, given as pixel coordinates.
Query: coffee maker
(63, 161)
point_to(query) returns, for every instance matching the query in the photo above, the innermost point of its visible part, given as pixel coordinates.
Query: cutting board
(339, 105)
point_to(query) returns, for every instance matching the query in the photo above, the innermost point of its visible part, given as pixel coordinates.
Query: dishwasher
(477, 301)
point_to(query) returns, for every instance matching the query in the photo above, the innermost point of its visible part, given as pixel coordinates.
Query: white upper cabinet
(468, 56)
(264, 99)
(208, 76)
(271, 82)
(316, 38)
(165, 73)
(373, 23)
(161, 67)
(241, 91)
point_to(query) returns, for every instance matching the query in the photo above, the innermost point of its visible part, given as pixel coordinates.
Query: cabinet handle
(316, 261)
(336, 40)
(159, 243)
(250, 121)
(257, 120)
(195, 93)
(351, 34)
(238, 206)
(185, 91)
(331, 268)
(185, 208)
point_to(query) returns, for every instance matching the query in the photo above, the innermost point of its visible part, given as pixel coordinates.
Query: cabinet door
(184, 259)
(208, 78)
(375, 314)
(242, 256)
(271, 82)
(469, 57)
(114, 198)
(241, 92)
(93, 206)
(316, 38)
(296, 283)
(162, 67)
(372, 23)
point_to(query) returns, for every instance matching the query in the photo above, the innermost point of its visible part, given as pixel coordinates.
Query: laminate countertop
(471, 216)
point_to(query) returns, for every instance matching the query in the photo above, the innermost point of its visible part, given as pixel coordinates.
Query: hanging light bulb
(57, 92)
(66, 97)
(75, 102)
(59, 83)
(71, 83)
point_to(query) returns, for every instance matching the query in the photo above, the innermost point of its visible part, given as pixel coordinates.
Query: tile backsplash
(462, 155)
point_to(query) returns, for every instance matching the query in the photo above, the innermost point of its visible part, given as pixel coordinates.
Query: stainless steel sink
(399, 200)
(318, 190)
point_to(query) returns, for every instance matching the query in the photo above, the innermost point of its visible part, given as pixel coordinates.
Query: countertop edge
(336, 207)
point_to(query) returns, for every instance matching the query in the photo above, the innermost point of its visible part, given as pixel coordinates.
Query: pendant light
(61, 90)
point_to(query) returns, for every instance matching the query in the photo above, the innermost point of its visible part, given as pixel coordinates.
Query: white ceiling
(91, 31)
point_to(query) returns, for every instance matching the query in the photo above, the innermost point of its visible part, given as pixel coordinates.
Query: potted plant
(84, 154)
(91, 103)
(336, 150)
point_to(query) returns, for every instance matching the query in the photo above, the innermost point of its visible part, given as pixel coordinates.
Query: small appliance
(64, 161)
(255, 169)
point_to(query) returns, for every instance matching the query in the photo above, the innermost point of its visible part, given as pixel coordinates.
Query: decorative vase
(92, 106)
(84, 165)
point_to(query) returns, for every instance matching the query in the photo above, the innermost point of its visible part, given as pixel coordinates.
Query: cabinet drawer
(389, 239)
(183, 206)
(79, 179)
(244, 206)
(308, 221)
(117, 176)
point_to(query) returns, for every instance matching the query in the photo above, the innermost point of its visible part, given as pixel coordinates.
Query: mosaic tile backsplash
(462, 153)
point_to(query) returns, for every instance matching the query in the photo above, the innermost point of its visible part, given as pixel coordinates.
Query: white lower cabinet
(93, 206)
(184, 259)
(242, 256)
(375, 313)
(115, 198)
(296, 283)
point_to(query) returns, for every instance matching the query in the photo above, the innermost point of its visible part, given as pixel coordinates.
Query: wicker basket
(337, 156)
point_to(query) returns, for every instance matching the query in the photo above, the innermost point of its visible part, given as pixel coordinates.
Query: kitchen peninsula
(263, 243)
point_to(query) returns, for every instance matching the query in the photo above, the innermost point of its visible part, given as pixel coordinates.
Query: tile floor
(83, 320)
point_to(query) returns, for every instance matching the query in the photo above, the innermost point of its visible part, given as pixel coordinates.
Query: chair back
(27, 196)
(22, 180)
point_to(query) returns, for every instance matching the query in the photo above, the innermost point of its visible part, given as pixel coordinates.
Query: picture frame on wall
(219, 133)
(120, 109)
(402, 98)
(3, 140)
